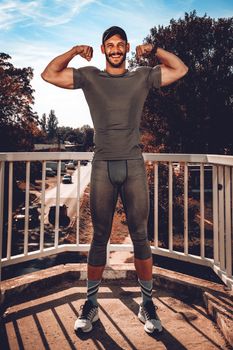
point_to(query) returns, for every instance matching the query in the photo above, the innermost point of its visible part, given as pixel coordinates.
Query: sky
(34, 32)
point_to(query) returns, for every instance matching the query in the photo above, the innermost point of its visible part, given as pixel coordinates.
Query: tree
(43, 123)
(18, 123)
(52, 124)
(85, 127)
(89, 139)
(194, 114)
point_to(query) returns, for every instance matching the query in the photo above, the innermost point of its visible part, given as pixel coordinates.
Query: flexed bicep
(63, 79)
(57, 72)
(170, 75)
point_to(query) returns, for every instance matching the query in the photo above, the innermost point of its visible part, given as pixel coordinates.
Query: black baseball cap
(113, 31)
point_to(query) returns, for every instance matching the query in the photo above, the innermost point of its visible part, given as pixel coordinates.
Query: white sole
(86, 330)
(142, 319)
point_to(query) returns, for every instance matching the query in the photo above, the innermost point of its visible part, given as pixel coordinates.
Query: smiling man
(116, 97)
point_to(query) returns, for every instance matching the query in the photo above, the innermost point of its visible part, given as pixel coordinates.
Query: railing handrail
(44, 156)
(160, 157)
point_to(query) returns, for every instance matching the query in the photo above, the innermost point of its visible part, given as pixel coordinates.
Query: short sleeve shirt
(116, 103)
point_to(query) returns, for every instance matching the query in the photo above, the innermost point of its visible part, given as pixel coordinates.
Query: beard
(116, 65)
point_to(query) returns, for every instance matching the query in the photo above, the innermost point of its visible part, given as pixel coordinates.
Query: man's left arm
(172, 67)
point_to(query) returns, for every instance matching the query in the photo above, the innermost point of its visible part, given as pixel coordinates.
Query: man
(116, 97)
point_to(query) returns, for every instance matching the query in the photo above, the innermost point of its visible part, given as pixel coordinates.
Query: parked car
(64, 219)
(33, 217)
(50, 172)
(54, 165)
(67, 179)
(84, 162)
(70, 166)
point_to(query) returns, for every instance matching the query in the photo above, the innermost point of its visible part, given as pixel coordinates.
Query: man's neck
(115, 71)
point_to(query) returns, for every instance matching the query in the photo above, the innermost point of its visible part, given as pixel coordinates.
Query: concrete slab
(47, 322)
(43, 317)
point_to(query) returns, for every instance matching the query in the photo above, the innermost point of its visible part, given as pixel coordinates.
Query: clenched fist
(84, 51)
(143, 50)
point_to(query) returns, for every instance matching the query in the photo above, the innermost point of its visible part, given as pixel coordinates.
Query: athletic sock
(146, 290)
(92, 289)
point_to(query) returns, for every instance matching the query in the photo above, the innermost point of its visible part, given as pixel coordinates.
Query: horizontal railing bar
(113, 247)
(39, 156)
(162, 157)
(46, 252)
(219, 159)
(175, 157)
(223, 276)
(182, 256)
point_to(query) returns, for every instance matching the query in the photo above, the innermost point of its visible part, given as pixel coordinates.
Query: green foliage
(52, 124)
(18, 123)
(43, 123)
(194, 114)
(81, 137)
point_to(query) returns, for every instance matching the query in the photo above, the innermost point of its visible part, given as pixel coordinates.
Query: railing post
(10, 195)
(186, 248)
(221, 219)
(26, 222)
(202, 210)
(108, 254)
(228, 222)
(2, 171)
(156, 206)
(57, 211)
(215, 214)
(78, 204)
(170, 206)
(42, 206)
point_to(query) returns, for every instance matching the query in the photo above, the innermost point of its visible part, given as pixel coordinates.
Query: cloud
(70, 105)
(42, 12)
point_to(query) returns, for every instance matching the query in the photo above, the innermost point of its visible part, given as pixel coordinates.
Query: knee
(97, 254)
(142, 249)
(100, 239)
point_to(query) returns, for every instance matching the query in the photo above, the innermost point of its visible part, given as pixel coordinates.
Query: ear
(102, 48)
(127, 47)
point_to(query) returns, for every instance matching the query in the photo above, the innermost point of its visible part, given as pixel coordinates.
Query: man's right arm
(57, 72)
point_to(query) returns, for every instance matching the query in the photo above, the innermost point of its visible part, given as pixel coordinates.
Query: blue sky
(34, 32)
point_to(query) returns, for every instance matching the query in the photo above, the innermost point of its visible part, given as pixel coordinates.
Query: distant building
(49, 147)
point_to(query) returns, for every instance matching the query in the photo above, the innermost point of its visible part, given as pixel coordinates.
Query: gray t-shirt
(116, 103)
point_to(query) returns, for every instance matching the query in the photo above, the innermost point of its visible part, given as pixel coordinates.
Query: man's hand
(143, 50)
(84, 51)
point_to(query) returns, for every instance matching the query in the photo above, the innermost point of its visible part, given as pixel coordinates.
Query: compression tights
(109, 179)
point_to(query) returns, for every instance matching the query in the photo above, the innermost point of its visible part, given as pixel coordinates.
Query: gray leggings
(108, 179)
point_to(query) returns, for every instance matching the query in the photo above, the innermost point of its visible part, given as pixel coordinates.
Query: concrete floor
(46, 321)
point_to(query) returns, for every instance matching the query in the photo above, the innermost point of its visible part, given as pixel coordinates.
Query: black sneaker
(88, 315)
(147, 314)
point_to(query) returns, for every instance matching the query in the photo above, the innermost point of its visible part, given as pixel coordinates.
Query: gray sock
(146, 290)
(92, 289)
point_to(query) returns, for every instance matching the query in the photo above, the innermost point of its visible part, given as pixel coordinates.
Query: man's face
(115, 50)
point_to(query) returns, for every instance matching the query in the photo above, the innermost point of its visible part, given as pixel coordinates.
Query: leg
(144, 268)
(135, 198)
(134, 194)
(103, 197)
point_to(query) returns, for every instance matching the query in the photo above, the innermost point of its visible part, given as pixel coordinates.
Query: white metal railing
(222, 208)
